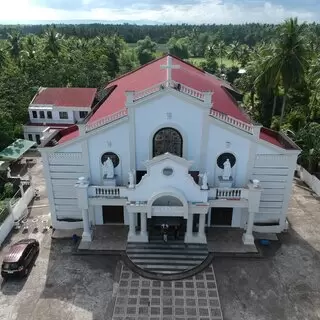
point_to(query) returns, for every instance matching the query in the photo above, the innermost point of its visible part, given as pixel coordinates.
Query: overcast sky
(168, 11)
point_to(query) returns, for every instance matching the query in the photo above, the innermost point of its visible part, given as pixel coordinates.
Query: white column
(247, 237)
(86, 235)
(188, 237)
(21, 189)
(132, 224)
(143, 216)
(202, 220)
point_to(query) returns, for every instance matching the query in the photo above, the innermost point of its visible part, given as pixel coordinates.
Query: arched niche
(167, 139)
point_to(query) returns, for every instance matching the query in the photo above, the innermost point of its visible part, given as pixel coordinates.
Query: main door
(221, 216)
(112, 214)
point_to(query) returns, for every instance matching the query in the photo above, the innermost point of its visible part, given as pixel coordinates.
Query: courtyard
(284, 284)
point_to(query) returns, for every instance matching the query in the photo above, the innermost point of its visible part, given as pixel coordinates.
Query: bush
(8, 190)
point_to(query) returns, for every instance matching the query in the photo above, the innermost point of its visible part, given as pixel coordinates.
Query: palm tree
(234, 51)
(288, 62)
(218, 49)
(14, 48)
(52, 42)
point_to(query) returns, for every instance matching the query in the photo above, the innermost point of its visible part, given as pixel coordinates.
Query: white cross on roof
(169, 66)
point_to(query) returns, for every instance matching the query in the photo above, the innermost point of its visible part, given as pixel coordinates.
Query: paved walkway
(190, 299)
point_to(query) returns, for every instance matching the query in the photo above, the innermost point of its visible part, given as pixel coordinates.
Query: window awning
(16, 150)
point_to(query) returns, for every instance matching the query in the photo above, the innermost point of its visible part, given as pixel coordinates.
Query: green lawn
(227, 62)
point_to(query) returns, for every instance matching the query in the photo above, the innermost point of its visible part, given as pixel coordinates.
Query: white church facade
(169, 143)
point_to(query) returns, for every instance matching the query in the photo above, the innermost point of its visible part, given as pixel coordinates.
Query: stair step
(168, 251)
(159, 262)
(166, 267)
(165, 245)
(161, 255)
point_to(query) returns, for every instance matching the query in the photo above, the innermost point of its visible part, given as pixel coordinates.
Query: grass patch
(227, 62)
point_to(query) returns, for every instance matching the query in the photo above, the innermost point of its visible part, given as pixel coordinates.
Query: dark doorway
(195, 176)
(221, 216)
(112, 214)
(139, 175)
(195, 226)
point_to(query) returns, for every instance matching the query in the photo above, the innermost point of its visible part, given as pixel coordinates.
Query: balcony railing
(247, 127)
(106, 192)
(110, 118)
(137, 95)
(228, 193)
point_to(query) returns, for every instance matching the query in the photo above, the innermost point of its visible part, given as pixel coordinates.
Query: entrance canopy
(16, 150)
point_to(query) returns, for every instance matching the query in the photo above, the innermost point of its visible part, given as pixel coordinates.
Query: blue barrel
(264, 242)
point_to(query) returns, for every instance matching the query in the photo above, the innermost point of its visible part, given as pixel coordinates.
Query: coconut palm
(234, 51)
(288, 62)
(52, 42)
(14, 48)
(218, 49)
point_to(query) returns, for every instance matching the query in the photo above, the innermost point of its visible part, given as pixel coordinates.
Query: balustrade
(229, 194)
(105, 192)
(232, 121)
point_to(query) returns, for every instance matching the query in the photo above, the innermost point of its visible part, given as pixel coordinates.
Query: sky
(161, 11)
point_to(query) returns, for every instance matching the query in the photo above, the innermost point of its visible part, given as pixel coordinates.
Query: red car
(19, 259)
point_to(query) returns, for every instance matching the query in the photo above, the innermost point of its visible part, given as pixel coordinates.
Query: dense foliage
(277, 67)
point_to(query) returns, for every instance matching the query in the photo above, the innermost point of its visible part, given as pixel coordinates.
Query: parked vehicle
(19, 259)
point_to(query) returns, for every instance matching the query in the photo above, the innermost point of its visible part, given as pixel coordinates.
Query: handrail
(108, 119)
(247, 127)
(137, 95)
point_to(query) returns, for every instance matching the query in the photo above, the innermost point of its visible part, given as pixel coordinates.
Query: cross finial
(169, 66)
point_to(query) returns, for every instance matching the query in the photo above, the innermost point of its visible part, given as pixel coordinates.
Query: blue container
(264, 242)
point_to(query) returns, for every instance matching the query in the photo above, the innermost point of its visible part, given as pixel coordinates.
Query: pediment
(168, 156)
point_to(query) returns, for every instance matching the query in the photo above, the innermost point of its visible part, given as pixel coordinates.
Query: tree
(218, 49)
(178, 47)
(146, 50)
(52, 42)
(288, 62)
(234, 51)
(14, 40)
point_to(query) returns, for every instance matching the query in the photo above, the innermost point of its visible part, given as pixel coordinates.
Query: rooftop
(224, 98)
(66, 97)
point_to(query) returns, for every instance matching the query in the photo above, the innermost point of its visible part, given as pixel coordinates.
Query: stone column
(87, 234)
(188, 237)
(82, 195)
(132, 224)
(247, 237)
(202, 220)
(143, 216)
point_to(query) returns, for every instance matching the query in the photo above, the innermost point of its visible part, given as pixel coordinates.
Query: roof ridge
(137, 69)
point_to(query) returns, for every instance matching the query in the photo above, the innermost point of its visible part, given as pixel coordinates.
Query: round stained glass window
(115, 159)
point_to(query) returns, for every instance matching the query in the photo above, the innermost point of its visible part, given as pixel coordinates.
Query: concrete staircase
(167, 258)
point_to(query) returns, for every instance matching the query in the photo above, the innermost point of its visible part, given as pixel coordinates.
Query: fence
(16, 208)
(312, 181)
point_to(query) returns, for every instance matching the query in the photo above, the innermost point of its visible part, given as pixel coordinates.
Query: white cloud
(206, 11)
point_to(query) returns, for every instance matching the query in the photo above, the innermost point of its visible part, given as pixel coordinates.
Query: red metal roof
(151, 74)
(66, 97)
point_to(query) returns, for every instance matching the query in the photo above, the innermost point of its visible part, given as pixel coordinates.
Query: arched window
(167, 140)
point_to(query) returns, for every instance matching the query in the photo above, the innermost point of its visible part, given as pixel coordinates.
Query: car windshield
(9, 266)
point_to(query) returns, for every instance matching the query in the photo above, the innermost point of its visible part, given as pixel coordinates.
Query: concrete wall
(312, 181)
(155, 114)
(21, 206)
(6, 227)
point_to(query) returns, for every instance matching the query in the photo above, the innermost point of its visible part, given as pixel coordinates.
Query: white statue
(131, 180)
(108, 169)
(204, 181)
(226, 170)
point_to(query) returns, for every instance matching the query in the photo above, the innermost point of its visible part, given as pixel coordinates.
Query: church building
(169, 144)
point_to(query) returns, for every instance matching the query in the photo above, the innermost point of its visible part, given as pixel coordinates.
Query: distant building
(53, 109)
(169, 141)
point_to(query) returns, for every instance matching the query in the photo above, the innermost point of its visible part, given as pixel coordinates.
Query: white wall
(20, 208)
(239, 146)
(6, 227)
(152, 116)
(312, 181)
(74, 147)
(114, 139)
(55, 116)
(155, 181)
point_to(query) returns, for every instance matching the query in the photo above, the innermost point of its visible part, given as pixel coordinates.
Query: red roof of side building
(151, 74)
(66, 97)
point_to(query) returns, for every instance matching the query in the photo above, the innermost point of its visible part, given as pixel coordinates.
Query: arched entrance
(167, 207)
(167, 140)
